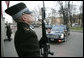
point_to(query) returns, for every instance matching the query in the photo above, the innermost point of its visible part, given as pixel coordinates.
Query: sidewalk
(9, 49)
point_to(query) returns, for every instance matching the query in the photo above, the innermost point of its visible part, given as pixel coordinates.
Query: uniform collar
(22, 25)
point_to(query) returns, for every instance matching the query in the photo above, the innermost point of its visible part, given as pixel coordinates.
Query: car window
(57, 28)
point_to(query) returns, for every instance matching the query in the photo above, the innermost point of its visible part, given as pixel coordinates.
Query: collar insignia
(26, 29)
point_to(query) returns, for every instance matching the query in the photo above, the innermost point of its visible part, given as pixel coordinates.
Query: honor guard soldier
(26, 41)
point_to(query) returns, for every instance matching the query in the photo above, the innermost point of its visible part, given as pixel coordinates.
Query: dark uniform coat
(9, 31)
(26, 42)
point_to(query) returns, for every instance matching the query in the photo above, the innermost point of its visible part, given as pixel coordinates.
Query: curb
(77, 31)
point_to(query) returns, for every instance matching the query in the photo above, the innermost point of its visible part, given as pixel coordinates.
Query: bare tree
(39, 11)
(35, 15)
(53, 15)
(69, 14)
(64, 11)
(81, 14)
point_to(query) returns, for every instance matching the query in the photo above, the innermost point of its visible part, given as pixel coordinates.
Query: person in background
(8, 31)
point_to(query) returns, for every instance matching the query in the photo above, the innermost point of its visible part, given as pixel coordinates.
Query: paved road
(73, 47)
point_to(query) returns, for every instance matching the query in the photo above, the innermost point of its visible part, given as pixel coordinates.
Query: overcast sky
(34, 5)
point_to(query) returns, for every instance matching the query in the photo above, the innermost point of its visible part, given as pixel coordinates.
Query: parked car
(56, 34)
(75, 25)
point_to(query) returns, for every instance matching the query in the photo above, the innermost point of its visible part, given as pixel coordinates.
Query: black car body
(56, 34)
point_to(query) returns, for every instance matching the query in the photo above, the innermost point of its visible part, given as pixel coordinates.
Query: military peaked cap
(17, 10)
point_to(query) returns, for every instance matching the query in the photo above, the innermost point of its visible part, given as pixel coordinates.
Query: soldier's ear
(23, 18)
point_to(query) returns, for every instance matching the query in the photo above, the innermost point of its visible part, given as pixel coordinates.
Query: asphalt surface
(73, 47)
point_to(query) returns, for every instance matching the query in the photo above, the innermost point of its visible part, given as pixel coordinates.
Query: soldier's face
(27, 18)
